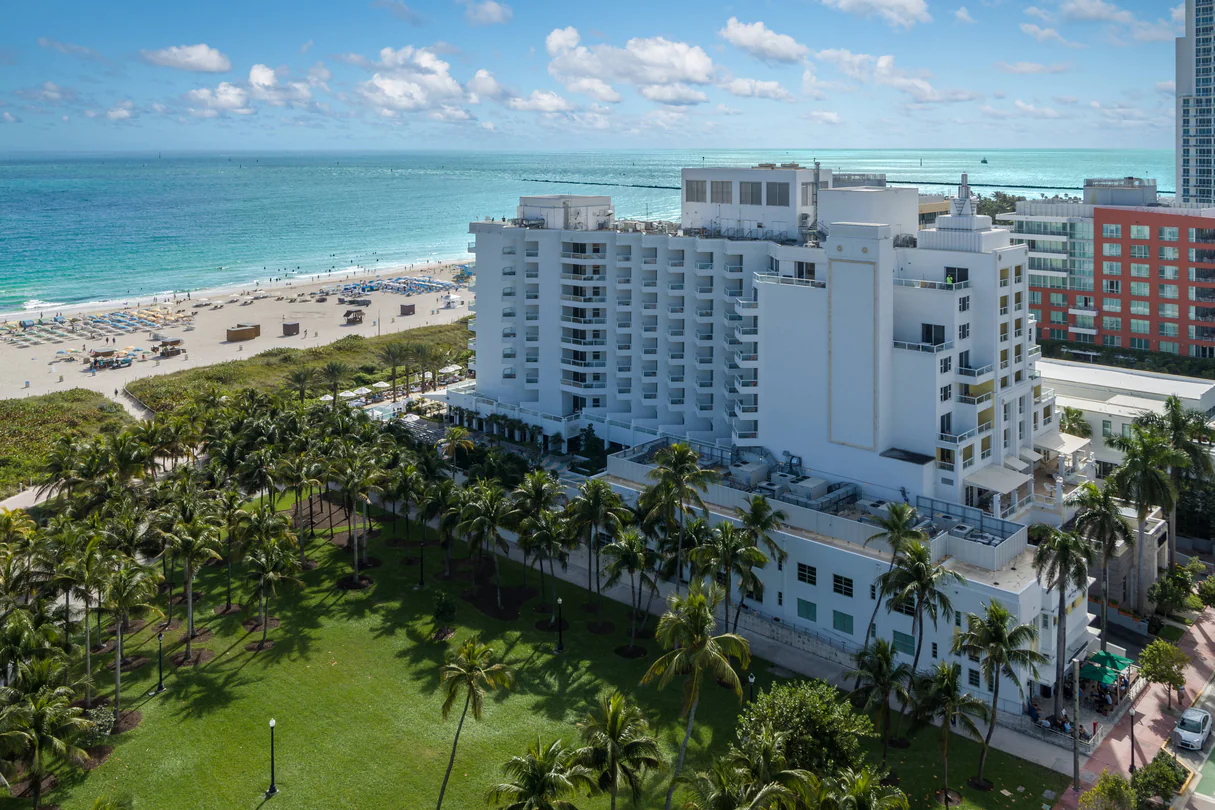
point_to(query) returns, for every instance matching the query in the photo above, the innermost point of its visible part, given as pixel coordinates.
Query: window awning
(1062, 443)
(997, 479)
(1014, 463)
(1030, 455)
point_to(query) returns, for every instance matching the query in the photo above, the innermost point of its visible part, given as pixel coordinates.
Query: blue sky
(534, 74)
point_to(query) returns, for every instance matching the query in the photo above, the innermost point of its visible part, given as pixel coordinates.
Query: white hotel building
(803, 332)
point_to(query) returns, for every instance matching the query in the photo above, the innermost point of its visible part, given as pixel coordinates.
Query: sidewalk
(1154, 721)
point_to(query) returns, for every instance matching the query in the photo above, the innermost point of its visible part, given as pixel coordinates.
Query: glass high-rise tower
(1195, 175)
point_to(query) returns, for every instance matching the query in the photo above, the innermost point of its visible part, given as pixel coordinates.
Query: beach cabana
(291, 328)
(353, 316)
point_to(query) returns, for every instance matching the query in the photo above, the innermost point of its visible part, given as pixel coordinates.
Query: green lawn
(29, 427)
(268, 370)
(353, 685)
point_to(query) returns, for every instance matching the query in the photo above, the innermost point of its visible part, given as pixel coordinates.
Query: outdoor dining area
(1107, 685)
(382, 391)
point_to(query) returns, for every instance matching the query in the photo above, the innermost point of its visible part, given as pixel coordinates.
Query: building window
(1058, 299)
(807, 610)
(906, 607)
(1168, 290)
(842, 585)
(1112, 341)
(1107, 428)
(780, 598)
(946, 393)
(1168, 272)
(972, 677)
(1141, 232)
(1111, 249)
(1141, 252)
(1169, 234)
(904, 643)
(721, 191)
(1169, 254)
(1139, 270)
(807, 194)
(1167, 310)
(946, 364)
(751, 193)
(1141, 288)
(872, 590)
(778, 194)
(1167, 329)
(1110, 231)
(1142, 344)
(1141, 307)
(803, 270)
(1111, 304)
(964, 331)
(1112, 286)
(694, 191)
(1170, 347)
(964, 303)
(1111, 268)
(1141, 327)
(807, 574)
(841, 622)
(1035, 297)
(934, 650)
(1111, 324)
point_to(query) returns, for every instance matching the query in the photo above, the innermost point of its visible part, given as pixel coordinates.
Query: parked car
(1193, 729)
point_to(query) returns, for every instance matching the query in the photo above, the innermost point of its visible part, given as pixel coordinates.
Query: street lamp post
(751, 683)
(560, 628)
(160, 664)
(273, 788)
(1132, 740)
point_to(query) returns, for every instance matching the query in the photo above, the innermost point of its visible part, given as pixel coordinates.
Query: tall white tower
(1193, 153)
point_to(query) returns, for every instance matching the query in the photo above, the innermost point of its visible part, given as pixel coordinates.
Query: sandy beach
(41, 369)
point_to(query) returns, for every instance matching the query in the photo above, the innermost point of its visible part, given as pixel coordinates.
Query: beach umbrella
(347, 394)
(362, 392)
(410, 417)
(449, 369)
(61, 351)
(327, 398)
(380, 384)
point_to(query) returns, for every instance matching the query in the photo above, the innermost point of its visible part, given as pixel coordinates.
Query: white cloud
(810, 85)
(1025, 68)
(1095, 11)
(1047, 35)
(122, 111)
(899, 13)
(48, 93)
(487, 12)
(677, 94)
(722, 109)
(319, 74)
(451, 114)
(762, 42)
(410, 79)
(1021, 110)
(484, 85)
(226, 98)
(1068, 100)
(1040, 13)
(667, 120)
(9, 118)
(857, 66)
(754, 88)
(488, 126)
(199, 58)
(881, 70)
(1178, 13)
(661, 69)
(70, 49)
(962, 15)
(1168, 88)
(545, 101)
(307, 46)
(823, 117)
(264, 86)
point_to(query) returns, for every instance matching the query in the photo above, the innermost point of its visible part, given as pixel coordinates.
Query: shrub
(825, 731)
(1161, 777)
(444, 610)
(101, 723)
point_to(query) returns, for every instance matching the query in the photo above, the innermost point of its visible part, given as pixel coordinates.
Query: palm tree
(130, 588)
(1144, 480)
(1004, 649)
(332, 374)
(1099, 520)
(759, 520)
(470, 670)
(618, 747)
(538, 492)
(917, 580)
(40, 729)
(230, 508)
(686, 631)
(270, 564)
(195, 543)
(880, 677)
(861, 790)
(394, 356)
(595, 507)
(630, 554)
(456, 439)
(300, 381)
(441, 503)
(898, 529)
(95, 564)
(939, 696)
(408, 489)
(679, 475)
(728, 552)
(295, 473)
(541, 780)
(550, 536)
(1061, 562)
(1072, 422)
(485, 514)
(1186, 430)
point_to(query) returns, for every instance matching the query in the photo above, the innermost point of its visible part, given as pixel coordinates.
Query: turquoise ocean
(84, 229)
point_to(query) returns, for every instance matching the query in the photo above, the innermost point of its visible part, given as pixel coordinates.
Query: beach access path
(40, 370)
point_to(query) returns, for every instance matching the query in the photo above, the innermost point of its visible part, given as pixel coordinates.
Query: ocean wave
(35, 303)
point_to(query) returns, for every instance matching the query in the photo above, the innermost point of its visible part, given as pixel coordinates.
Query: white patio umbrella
(362, 392)
(327, 398)
(347, 394)
(449, 369)
(410, 417)
(381, 384)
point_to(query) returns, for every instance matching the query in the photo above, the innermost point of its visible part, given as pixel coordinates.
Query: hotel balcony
(930, 348)
(1046, 397)
(574, 319)
(572, 363)
(749, 334)
(746, 410)
(746, 360)
(585, 299)
(745, 433)
(975, 376)
(925, 284)
(1035, 352)
(600, 257)
(598, 278)
(569, 340)
(982, 399)
(584, 385)
(734, 269)
(961, 438)
(704, 265)
(472, 247)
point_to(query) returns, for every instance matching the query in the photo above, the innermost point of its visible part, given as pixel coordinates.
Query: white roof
(1063, 443)
(1121, 380)
(997, 479)
(1124, 406)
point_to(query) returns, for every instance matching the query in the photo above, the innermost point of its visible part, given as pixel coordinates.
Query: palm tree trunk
(678, 576)
(683, 750)
(1060, 643)
(67, 619)
(189, 608)
(633, 608)
(738, 610)
(590, 559)
(1173, 518)
(552, 572)
(1105, 599)
(945, 756)
(172, 575)
(1141, 601)
(872, 620)
(452, 760)
(991, 726)
(366, 526)
(88, 657)
(229, 566)
(917, 623)
(265, 617)
(885, 729)
(497, 579)
(122, 620)
(540, 560)
(725, 628)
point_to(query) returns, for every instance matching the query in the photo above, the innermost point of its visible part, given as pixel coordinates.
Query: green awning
(1088, 672)
(1110, 661)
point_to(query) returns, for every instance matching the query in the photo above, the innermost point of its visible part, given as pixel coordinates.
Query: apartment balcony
(732, 317)
(704, 407)
(649, 395)
(704, 290)
(574, 319)
(624, 348)
(624, 393)
(675, 309)
(531, 254)
(624, 369)
(675, 263)
(573, 341)
(598, 257)
(675, 358)
(703, 361)
(506, 271)
(675, 286)
(744, 305)
(624, 281)
(746, 360)
(649, 351)
(472, 325)
(649, 329)
(675, 333)
(624, 258)
(704, 265)
(649, 284)
(649, 374)
(730, 296)
(649, 260)
(749, 334)
(532, 316)
(704, 338)
(675, 379)
(532, 274)
(945, 465)
(584, 385)
(1046, 397)
(925, 284)
(704, 316)
(624, 305)
(675, 402)
(532, 359)
(531, 383)
(745, 410)
(978, 375)
(744, 433)
(1035, 352)
(472, 364)
(734, 269)
(579, 278)
(530, 338)
(572, 363)
(960, 438)
(704, 384)
(472, 247)
(930, 348)
(980, 400)
(649, 306)
(508, 250)
(472, 344)
(531, 296)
